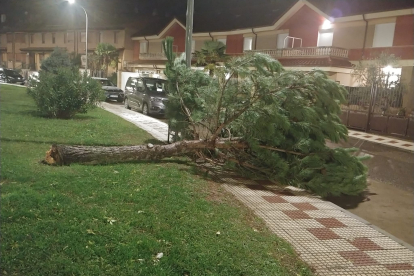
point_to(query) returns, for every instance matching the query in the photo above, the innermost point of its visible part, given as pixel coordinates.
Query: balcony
(154, 56)
(311, 52)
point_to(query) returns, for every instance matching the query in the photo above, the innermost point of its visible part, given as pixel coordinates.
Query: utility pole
(189, 32)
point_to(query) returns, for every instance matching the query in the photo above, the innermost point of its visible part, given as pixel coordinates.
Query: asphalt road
(389, 199)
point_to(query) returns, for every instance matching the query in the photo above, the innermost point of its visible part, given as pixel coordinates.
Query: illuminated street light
(86, 34)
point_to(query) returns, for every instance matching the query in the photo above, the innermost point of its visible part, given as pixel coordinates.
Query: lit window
(83, 37)
(247, 43)
(383, 35)
(43, 38)
(281, 41)
(325, 38)
(143, 47)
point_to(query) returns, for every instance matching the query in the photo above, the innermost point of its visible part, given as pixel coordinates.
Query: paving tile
(326, 213)
(323, 233)
(301, 199)
(274, 199)
(407, 145)
(379, 139)
(296, 214)
(387, 243)
(276, 206)
(339, 245)
(358, 258)
(351, 233)
(300, 235)
(392, 142)
(330, 222)
(315, 247)
(324, 206)
(392, 256)
(365, 244)
(348, 221)
(304, 206)
(308, 223)
(400, 266)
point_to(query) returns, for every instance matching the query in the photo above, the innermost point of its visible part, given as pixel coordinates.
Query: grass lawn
(115, 219)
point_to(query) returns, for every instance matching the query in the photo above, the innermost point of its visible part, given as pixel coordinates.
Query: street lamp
(86, 34)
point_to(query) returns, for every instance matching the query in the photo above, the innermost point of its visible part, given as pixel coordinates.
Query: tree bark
(65, 155)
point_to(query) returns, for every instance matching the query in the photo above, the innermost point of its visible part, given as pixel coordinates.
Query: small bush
(64, 93)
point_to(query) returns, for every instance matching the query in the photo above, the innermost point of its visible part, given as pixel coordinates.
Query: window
(70, 37)
(32, 36)
(325, 38)
(43, 38)
(82, 37)
(192, 46)
(53, 38)
(100, 37)
(281, 41)
(383, 35)
(247, 43)
(222, 40)
(143, 47)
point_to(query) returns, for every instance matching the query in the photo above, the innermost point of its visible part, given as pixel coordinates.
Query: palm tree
(210, 54)
(107, 55)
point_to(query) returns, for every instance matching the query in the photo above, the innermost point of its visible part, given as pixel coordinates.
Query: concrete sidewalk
(328, 238)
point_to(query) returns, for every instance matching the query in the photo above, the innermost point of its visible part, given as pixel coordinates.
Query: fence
(376, 109)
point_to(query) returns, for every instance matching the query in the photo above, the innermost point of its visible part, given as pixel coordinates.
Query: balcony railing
(155, 56)
(304, 52)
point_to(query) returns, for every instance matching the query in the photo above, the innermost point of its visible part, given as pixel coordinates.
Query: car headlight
(155, 99)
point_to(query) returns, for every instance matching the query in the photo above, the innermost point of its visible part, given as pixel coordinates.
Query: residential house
(303, 35)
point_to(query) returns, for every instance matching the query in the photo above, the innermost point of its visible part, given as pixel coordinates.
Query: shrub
(64, 93)
(59, 58)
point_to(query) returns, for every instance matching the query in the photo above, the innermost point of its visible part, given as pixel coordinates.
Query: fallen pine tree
(281, 120)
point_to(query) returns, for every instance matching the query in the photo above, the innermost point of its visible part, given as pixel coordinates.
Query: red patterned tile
(392, 142)
(401, 266)
(368, 136)
(274, 199)
(330, 222)
(407, 145)
(380, 139)
(323, 233)
(358, 258)
(296, 214)
(365, 244)
(357, 134)
(304, 206)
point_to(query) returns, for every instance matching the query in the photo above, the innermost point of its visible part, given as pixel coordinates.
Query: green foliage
(75, 59)
(64, 93)
(284, 116)
(59, 58)
(210, 54)
(106, 55)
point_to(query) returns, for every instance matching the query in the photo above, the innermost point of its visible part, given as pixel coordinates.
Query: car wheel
(145, 109)
(126, 104)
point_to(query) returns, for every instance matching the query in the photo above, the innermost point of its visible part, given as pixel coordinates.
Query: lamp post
(86, 34)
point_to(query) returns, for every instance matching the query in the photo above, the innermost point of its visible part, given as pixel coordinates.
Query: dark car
(146, 94)
(111, 91)
(11, 76)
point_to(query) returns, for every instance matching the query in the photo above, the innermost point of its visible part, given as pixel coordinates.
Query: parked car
(11, 76)
(148, 95)
(111, 91)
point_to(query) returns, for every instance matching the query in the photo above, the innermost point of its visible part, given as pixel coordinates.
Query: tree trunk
(65, 155)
